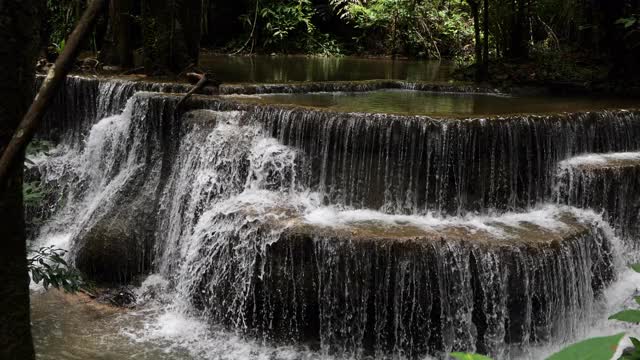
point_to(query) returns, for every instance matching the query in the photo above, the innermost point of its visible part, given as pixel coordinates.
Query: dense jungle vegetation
(523, 41)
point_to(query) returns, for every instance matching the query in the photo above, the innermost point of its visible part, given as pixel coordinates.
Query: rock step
(418, 285)
(608, 183)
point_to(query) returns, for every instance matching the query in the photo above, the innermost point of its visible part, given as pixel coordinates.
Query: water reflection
(278, 69)
(409, 102)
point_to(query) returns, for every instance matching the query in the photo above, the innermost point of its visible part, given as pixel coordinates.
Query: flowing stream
(273, 232)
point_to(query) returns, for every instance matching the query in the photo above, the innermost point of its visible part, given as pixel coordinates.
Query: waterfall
(356, 234)
(606, 183)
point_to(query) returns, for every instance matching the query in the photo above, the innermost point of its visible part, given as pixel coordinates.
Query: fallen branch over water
(201, 81)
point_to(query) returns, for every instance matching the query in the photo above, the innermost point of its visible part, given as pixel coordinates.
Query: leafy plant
(38, 146)
(427, 29)
(284, 19)
(47, 266)
(59, 47)
(62, 15)
(33, 193)
(628, 21)
(631, 25)
(598, 348)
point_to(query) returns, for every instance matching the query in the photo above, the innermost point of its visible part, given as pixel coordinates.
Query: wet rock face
(116, 248)
(369, 289)
(608, 183)
(115, 243)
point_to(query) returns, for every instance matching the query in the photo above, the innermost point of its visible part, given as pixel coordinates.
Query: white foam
(178, 332)
(546, 217)
(596, 159)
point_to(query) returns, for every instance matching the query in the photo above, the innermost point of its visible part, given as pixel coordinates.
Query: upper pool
(411, 102)
(279, 69)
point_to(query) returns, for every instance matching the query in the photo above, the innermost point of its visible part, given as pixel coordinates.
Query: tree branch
(52, 82)
(202, 81)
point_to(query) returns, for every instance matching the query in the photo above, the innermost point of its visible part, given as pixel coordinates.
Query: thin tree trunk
(171, 34)
(118, 46)
(122, 34)
(485, 48)
(19, 34)
(475, 12)
(518, 47)
(191, 16)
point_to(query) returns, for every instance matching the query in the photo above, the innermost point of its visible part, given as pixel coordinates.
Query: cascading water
(606, 183)
(327, 229)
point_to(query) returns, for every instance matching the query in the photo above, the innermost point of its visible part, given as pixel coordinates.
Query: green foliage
(36, 147)
(47, 266)
(635, 353)
(59, 47)
(468, 356)
(288, 25)
(427, 29)
(62, 17)
(33, 194)
(283, 19)
(631, 316)
(598, 348)
(628, 21)
(32, 191)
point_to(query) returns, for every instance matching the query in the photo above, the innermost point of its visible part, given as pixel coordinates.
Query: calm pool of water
(279, 69)
(409, 102)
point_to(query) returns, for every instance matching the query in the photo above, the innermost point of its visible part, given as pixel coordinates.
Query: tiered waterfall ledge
(362, 281)
(402, 164)
(607, 183)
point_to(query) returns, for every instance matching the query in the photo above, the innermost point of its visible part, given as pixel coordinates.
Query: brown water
(279, 69)
(76, 327)
(410, 102)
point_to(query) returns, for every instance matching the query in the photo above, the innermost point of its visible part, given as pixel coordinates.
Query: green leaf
(631, 316)
(635, 267)
(635, 342)
(598, 348)
(469, 356)
(637, 299)
(36, 276)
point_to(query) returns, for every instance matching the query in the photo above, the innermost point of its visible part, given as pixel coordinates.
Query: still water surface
(410, 102)
(280, 69)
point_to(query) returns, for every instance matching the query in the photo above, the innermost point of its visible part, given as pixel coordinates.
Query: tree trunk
(518, 47)
(171, 34)
(485, 48)
(475, 12)
(19, 33)
(192, 20)
(118, 45)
